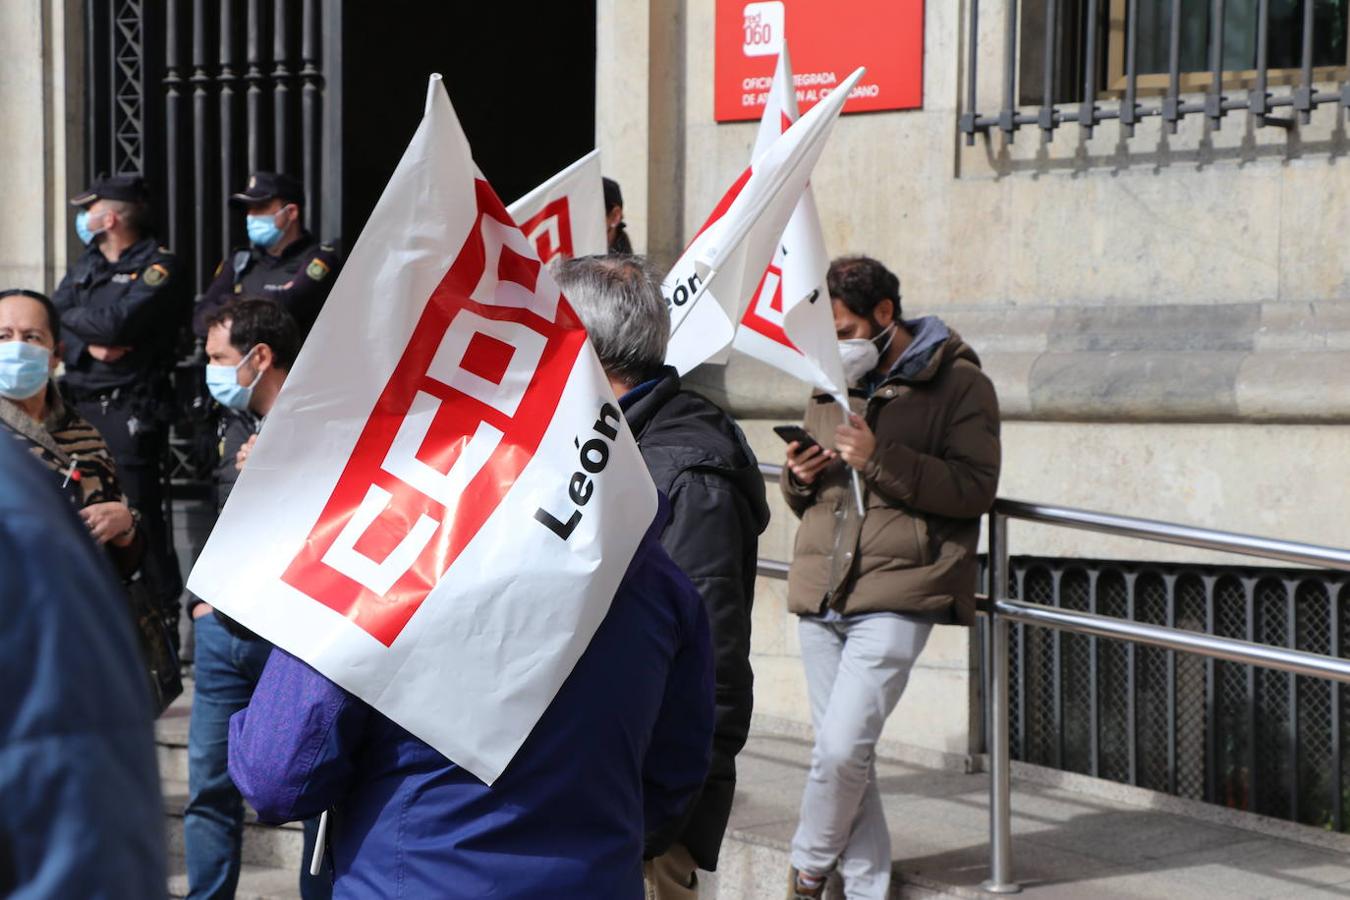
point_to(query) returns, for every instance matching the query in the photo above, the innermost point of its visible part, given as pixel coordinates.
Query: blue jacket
(622, 749)
(80, 808)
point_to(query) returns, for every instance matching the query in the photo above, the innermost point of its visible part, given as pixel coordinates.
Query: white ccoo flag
(788, 323)
(446, 496)
(565, 216)
(711, 284)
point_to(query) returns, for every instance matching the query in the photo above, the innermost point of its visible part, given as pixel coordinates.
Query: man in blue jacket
(80, 808)
(618, 755)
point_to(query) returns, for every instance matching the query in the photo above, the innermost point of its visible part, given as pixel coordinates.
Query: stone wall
(41, 73)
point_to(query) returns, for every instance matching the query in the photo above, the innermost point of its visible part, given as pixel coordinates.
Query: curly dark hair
(860, 283)
(254, 321)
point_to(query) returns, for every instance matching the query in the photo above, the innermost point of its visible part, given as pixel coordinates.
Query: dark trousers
(138, 449)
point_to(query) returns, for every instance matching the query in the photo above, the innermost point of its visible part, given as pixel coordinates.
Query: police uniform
(139, 301)
(298, 278)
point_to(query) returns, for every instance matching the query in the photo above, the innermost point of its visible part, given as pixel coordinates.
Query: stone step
(271, 846)
(265, 847)
(255, 882)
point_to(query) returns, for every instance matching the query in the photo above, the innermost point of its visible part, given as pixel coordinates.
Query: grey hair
(619, 301)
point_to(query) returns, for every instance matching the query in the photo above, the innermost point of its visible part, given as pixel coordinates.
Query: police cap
(128, 188)
(263, 186)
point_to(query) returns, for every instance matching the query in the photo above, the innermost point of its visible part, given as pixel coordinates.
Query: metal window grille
(1235, 735)
(1068, 46)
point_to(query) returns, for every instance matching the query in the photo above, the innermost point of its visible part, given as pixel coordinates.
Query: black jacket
(140, 302)
(700, 460)
(299, 279)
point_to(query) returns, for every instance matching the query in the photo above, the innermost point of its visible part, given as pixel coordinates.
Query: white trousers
(856, 670)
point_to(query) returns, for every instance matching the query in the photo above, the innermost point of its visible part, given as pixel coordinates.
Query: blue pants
(227, 670)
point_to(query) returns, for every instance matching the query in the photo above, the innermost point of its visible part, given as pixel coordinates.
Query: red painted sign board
(827, 40)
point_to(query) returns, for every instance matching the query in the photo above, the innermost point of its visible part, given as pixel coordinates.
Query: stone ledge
(1258, 363)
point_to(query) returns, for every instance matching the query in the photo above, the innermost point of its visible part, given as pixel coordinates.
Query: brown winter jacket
(933, 474)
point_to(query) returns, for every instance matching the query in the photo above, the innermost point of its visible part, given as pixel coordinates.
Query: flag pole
(320, 839)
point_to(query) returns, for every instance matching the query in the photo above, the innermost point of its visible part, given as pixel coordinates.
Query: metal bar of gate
(1008, 114)
(1170, 111)
(1129, 113)
(1047, 114)
(1214, 99)
(1087, 110)
(228, 115)
(254, 95)
(173, 125)
(972, 71)
(202, 257)
(281, 87)
(1303, 97)
(310, 100)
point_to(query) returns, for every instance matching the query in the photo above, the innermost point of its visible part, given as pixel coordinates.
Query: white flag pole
(320, 839)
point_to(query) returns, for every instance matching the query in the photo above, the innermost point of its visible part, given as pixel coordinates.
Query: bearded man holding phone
(868, 586)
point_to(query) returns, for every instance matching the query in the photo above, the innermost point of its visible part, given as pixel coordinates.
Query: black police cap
(128, 188)
(263, 186)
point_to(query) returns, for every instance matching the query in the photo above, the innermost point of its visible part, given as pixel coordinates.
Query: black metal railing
(1243, 737)
(1095, 103)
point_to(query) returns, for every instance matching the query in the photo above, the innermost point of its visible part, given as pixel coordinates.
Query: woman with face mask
(869, 580)
(32, 411)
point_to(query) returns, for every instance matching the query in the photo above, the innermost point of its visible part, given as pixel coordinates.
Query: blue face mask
(82, 228)
(263, 230)
(24, 369)
(223, 383)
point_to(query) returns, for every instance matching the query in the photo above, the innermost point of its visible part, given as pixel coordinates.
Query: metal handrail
(1003, 611)
(1171, 533)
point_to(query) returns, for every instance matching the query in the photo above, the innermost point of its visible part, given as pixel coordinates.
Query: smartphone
(790, 433)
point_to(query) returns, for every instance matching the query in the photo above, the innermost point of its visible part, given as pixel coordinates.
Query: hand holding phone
(805, 457)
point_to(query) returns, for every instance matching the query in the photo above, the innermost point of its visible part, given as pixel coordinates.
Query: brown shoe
(799, 891)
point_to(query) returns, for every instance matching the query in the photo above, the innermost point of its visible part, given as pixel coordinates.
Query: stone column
(41, 149)
(639, 103)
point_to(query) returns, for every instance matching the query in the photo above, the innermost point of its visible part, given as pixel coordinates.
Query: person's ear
(57, 355)
(263, 359)
(614, 216)
(884, 313)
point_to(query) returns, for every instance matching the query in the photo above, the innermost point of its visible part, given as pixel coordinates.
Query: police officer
(122, 305)
(283, 261)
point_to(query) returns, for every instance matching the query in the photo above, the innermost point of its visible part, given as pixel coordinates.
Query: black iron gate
(1225, 733)
(194, 94)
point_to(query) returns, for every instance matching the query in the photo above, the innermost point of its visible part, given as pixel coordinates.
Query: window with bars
(1220, 732)
(1088, 61)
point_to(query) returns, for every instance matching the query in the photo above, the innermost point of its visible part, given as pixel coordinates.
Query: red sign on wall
(827, 40)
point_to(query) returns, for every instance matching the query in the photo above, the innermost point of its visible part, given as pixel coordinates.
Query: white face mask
(861, 355)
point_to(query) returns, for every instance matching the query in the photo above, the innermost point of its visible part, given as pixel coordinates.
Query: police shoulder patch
(156, 275)
(317, 269)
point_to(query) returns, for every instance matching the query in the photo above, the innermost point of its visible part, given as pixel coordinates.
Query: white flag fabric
(788, 323)
(443, 501)
(565, 216)
(712, 282)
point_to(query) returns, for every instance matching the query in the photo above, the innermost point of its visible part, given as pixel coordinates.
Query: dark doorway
(522, 81)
